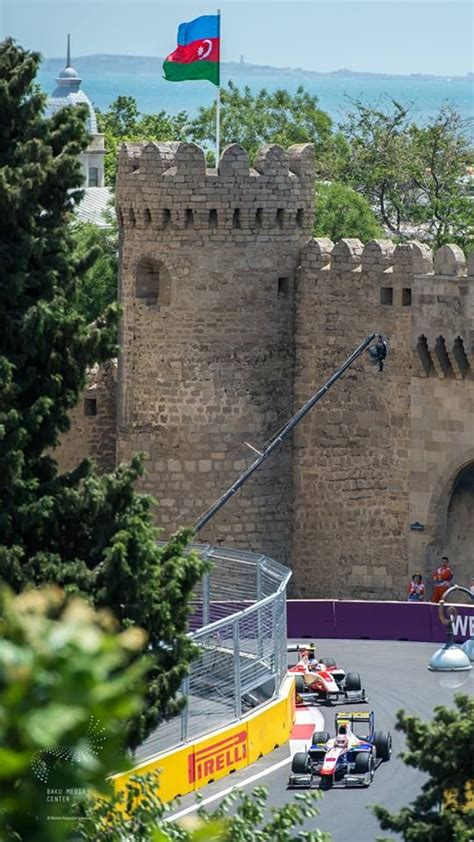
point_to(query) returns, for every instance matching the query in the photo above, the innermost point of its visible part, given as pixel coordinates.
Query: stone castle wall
(351, 455)
(233, 317)
(207, 288)
(383, 452)
(93, 423)
(442, 415)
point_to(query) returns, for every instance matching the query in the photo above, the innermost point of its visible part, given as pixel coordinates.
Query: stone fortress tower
(233, 316)
(208, 262)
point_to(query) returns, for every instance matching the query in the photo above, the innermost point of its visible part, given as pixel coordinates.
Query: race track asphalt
(395, 676)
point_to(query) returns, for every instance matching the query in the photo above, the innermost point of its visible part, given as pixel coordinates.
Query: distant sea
(106, 77)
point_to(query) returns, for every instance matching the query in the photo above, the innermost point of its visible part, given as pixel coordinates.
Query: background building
(68, 93)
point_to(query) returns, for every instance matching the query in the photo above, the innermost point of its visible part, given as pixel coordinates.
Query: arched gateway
(453, 507)
(460, 525)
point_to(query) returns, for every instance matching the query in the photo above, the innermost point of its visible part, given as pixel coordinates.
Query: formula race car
(347, 759)
(320, 679)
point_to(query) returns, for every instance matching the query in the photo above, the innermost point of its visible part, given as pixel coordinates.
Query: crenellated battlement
(384, 256)
(168, 186)
(435, 289)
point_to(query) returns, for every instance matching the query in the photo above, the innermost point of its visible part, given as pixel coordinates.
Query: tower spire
(68, 57)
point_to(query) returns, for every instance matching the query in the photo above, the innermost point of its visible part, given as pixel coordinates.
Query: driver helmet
(342, 740)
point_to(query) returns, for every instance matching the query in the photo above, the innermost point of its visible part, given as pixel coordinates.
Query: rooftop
(96, 203)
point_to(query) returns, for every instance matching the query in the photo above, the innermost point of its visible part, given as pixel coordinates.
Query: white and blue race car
(348, 759)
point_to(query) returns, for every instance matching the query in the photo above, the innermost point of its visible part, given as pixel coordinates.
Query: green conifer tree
(443, 750)
(89, 533)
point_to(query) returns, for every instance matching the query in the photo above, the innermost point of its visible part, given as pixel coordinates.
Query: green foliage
(137, 813)
(121, 117)
(254, 119)
(341, 212)
(410, 174)
(88, 533)
(250, 821)
(98, 249)
(378, 162)
(444, 750)
(68, 682)
(123, 122)
(442, 150)
(246, 118)
(45, 346)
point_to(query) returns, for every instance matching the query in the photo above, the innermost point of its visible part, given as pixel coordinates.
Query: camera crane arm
(286, 430)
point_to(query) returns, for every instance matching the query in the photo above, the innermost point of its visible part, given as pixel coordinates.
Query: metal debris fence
(239, 623)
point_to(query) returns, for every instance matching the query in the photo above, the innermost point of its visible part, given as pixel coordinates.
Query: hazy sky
(401, 36)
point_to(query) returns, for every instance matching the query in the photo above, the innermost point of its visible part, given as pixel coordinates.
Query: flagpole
(218, 99)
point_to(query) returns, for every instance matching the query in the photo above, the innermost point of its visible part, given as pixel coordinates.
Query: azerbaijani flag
(197, 55)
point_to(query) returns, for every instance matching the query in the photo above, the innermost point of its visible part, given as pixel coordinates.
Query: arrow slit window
(386, 295)
(152, 285)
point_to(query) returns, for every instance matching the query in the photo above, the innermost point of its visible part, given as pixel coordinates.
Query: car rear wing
(355, 716)
(301, 647)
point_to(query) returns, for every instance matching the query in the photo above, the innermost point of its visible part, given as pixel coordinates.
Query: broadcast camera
(379, 351)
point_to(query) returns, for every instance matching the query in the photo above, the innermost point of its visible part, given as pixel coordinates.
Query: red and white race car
(320, 679)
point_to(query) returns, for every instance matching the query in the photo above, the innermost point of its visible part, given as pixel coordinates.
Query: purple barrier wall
(322, 618)
(305, 615)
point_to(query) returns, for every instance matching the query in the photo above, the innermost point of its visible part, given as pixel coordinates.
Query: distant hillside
(131, 65)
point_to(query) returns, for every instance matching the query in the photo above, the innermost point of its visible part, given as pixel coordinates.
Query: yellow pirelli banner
(216, 756)
(194, 765)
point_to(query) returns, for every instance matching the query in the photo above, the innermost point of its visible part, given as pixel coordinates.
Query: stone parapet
(167, 187)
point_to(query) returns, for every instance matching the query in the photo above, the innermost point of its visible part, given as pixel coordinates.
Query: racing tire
(383, 745)
(320, 737)
(299, 684)
(364, 764)
(300, 763)
(353, 682)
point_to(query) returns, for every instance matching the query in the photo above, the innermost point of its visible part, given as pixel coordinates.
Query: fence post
(282, 636)
(185, 711)
(206, 598)
(259, 577)
(259, 597)
(237, 685)
(279, 641)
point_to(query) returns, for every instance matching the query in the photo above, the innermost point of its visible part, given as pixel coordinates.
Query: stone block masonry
(382, 451)
(233, 316)
(93, 423)
(207, 343)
